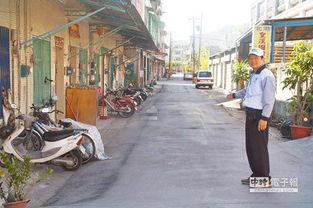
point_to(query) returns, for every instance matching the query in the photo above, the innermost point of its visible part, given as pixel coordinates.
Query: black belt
(253, 114)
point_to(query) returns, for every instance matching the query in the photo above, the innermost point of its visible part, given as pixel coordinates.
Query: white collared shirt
(260, 92)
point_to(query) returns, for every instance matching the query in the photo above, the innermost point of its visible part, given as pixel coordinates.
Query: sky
(216, 14)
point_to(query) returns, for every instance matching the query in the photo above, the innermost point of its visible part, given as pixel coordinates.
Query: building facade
(48, 47)
(285, 32)
(279, 9)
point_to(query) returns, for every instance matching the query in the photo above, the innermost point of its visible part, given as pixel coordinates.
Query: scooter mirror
(45, 110)
(54, 99)
(13, 106)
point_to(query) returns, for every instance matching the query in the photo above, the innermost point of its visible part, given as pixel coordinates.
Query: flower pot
(19, 204)
(298, 132)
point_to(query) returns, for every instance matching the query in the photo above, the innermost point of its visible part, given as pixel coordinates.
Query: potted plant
(300, 78)
(15, 178)
(241, 73)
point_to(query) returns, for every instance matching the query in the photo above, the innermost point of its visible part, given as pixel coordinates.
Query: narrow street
(179, 150)
(72, 67)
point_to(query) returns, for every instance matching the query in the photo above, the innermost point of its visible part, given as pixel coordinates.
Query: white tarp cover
(95, 135)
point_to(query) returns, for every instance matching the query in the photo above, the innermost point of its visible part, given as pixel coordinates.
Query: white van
(204, 78)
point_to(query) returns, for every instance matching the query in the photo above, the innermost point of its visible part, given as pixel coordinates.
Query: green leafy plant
(204, 58)
(241, 73)
(16, 176)
(300, 77)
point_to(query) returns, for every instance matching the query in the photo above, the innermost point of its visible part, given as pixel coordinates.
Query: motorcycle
(124, 107)
(144, 95)
(135, 95)
(60, 147)
(149, 89)
(44, 124)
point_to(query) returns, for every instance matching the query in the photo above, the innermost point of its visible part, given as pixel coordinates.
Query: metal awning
(119, 15)
(162, 61)
(133, 25)
(298, 28)
(284, 30)
(288, 30)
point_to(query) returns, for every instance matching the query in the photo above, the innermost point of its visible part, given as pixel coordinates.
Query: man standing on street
(258, 99)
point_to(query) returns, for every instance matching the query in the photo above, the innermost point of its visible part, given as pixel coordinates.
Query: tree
(204, 58)
(300, 77)
(17, 176)
(186, 65)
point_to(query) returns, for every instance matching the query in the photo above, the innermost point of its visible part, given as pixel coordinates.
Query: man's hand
(230, 96)
(262, 125)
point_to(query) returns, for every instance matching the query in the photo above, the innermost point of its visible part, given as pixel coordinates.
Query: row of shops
(48, 48)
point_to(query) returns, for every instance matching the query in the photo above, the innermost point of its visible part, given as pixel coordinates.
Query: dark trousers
(256, 144)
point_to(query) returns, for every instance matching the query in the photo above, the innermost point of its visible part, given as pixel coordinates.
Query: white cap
(256, 51)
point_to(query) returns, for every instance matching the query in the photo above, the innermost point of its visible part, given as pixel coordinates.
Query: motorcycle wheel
(35, 143)
(90, 148)
(138, 100)
(129, 113)
(144, 96)
(76, 157)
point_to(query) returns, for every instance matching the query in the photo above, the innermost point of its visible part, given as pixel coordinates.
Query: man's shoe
(245, 181)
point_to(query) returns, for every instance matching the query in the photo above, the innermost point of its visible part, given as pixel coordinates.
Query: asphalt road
(180, 150)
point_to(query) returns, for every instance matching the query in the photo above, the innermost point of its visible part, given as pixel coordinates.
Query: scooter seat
(53, 136)
(65, 124)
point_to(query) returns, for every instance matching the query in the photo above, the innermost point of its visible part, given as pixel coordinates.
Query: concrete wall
(33, 18)
(221, 66)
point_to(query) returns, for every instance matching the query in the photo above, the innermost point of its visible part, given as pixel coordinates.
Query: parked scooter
(60, 147)
(135, 95)
(45, 124)
(124, 107)
(143, 93)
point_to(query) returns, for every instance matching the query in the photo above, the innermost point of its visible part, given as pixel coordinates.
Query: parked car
(188, 76)
(204, 78)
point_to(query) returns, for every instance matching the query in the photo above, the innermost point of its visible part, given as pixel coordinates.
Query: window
(261, 8)
(280, 6)
(280, 3)
(270, 6)
(253, 14)
(177, 52)
(205, 74)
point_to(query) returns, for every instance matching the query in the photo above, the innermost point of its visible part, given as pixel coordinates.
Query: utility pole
(193, 46)
(200, 39)
(170, 55)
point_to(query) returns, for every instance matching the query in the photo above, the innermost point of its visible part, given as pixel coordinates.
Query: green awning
(133, 25)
